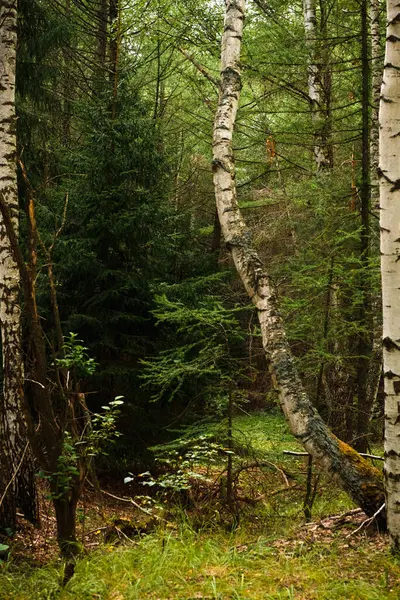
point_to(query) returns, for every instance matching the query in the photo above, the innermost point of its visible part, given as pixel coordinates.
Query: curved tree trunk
(361, 481)
(17, 485)
(389, 171)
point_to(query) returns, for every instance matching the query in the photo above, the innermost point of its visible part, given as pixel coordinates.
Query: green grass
(268, 433)
(178, 563)
(188, 565)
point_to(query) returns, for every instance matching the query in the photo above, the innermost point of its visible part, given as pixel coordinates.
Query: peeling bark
(17, 472)
(389, 172)
(361, 481)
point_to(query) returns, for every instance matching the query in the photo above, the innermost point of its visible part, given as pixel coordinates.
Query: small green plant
(186, 459)
(76, 358)
(67, 469)
(102, 432)
(104, 429)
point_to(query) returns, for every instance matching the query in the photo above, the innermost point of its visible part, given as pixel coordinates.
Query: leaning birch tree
(389, 177)
(362, 481)
(17, 483)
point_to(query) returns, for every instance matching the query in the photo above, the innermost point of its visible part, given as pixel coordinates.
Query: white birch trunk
(362, 481)
(314, 83)
(389, 172)
(16, 464)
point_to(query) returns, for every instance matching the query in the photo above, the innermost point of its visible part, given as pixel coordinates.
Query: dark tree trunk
(365, 344)
(17, 483)
(101, 51)
(66, 526)
(114, 53)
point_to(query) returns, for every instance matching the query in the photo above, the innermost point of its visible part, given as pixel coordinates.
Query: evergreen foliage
(115, 106)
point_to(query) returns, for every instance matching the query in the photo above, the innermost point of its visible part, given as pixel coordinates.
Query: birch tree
(361, 480)
(17, 476)
(315, 86)
(389, 172)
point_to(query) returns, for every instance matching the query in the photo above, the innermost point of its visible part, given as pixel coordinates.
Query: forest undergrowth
(188, 544)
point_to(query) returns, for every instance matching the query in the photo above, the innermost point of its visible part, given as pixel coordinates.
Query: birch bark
(17, 476)
(315, 86)
(361, 480)
(389, 179)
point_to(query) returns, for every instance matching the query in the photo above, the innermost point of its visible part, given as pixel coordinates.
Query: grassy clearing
(188, 565)
(269, 435)
(270, 555)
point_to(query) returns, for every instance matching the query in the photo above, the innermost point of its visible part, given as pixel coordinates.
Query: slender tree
(17, 475)
(361, 480)
(316, 89)
(389, 172)
(376, 80)
(365, 342)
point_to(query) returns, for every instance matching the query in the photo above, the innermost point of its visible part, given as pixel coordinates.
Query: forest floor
(194, 549)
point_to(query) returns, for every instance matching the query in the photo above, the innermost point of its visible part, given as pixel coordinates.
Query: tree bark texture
(315, 86)
(376, 71)
(115, 25)
(389, 177)
(17, 473)
(101, 51)
(365, 341)
(361, 481)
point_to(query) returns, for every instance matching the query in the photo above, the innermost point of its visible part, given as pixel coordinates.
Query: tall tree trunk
(365, 342)
(66, 88)
(51, 410)
(315, 85)
(17, 473)
(362, 481)
(115, 27)
(375, 369)
(102, 15)
(389, 172)
(376, 72)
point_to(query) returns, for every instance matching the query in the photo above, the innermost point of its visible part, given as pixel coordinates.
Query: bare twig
(349, 513)
(14, 474)
(293, 453)
(200, 67)
(259, 464)
(367, 521)
(63, 222)
(98, 529)
(130, 501)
